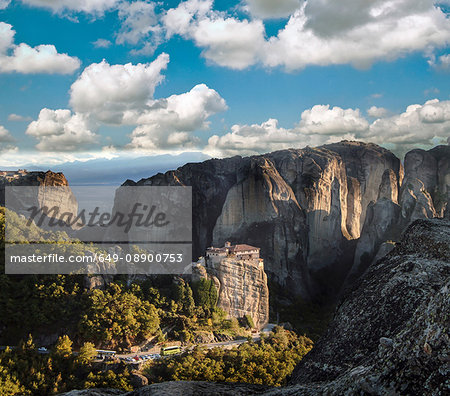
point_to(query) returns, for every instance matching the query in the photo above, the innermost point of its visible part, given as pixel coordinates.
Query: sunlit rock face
(53, 191)
(425, 192)
(304, 208)
(241, 285)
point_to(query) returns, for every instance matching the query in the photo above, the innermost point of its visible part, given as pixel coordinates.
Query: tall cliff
(305, 208)
(53, 191)
(389, 332)
(424, 193)
(241, 286)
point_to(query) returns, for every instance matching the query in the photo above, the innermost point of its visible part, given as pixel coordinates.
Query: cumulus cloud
(61, 130)
(377, 112)
(320, 32)
(425, 125)
(380, 30)
(318, 125)
(109, 91)
(323, 120)
(5, 136)
(25, 59)
(4, 4)
(123, 95)
(87, 6)
(254, 139)
(139, 22)
(226, 41)
(441, 63)
(101, 43)
(167, 123)
(419, 126)
(269, 9)
(18, 117)
(5, 139)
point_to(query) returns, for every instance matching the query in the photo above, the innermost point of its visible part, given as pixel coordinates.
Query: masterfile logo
(137, 229)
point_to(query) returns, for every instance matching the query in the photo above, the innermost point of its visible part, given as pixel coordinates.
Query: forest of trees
(268, 362)
(118, 316)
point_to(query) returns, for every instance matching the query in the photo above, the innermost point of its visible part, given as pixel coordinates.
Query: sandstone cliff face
(53, 191)
(423, 194)
(303, 207)
(426, 190)
(369, 165)
(241, 285)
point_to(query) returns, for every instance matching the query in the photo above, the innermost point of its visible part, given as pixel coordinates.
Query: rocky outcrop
(426, 190)
(304, 207)
(53, 191)
(389, 333)
(371, 167)
(424, 194)
(241, 286)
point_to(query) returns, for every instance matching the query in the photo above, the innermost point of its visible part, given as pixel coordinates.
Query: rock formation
(389, 333)
(423, 194)
(241, 285)
(53, 191)
(305, 208)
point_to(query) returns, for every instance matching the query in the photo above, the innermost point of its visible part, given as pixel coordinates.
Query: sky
(105, 79)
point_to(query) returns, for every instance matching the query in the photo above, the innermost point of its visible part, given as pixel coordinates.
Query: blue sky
(268, 75)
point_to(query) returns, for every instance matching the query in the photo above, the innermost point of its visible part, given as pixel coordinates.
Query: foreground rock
(389, 333)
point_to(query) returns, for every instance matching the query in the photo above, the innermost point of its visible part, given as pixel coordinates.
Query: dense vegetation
(60, 308)
(24, 371)
(268, 362)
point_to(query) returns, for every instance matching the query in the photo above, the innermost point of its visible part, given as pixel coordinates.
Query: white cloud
(5, 139)
(139, 22)
(318, 125)
(88, 6)
(109, 91)
(123, 95)
(382, 30)
(18, 159)
(61, 130)
(226, 41)
(424, 125)
(254, 139)
(18, 117)
(5, 136)
(320, 32)
(4, 4)
(323, 120)
(442, 62)
(377, 112)
(267, 9)
(419, 126)
(101, 43)
(168, 122)
(25, 59)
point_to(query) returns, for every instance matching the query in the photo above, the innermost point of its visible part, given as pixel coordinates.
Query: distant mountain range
(115, 171)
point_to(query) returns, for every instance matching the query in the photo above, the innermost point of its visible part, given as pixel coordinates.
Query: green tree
(87, 353)
(116, 317)
(63, 347)
(205, 293)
